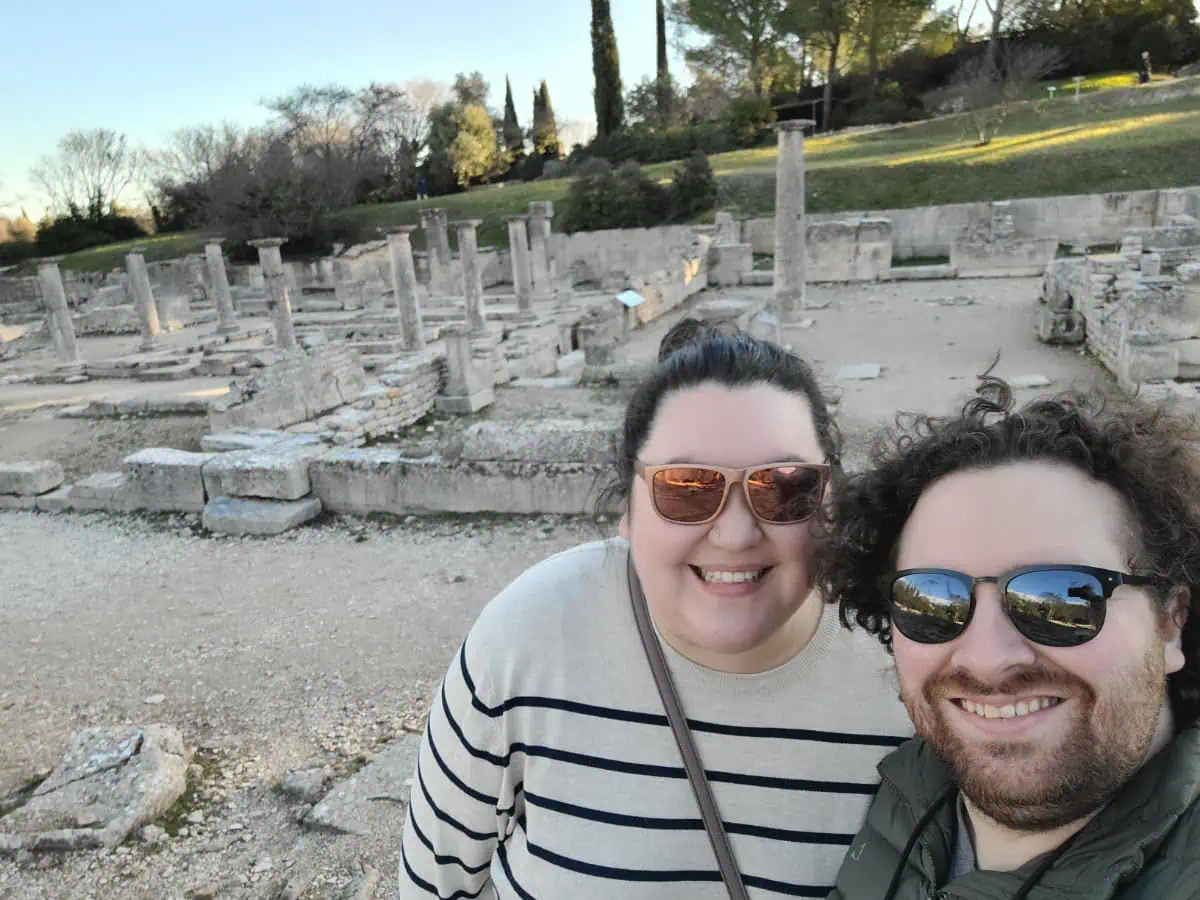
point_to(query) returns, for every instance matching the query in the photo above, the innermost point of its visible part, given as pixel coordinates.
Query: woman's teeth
(721, 576)
(1011, 711)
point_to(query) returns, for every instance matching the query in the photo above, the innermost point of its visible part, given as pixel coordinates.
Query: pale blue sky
(145, 67)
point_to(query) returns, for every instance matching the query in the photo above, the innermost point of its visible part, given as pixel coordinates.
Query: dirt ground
(321, 645)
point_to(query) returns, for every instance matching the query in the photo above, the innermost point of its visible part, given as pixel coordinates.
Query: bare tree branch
(90, 167)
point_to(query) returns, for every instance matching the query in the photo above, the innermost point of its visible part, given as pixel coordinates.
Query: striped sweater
(548, 769)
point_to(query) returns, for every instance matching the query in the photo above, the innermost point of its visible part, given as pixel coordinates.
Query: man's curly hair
(1146, 453)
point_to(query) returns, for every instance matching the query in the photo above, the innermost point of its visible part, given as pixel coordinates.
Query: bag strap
(683, 738)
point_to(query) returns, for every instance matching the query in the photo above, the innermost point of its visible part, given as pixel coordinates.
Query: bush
(747, 121)
(645, 144)
(78, 230)
(694, 188)
(532, 167)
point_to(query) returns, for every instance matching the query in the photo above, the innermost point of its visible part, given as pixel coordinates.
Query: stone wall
(406, 393)
(849, 250)
(298, 389)
(20, 300)
(930, 231)
(613, 256)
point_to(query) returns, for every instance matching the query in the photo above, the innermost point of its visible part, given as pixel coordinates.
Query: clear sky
(147, 67)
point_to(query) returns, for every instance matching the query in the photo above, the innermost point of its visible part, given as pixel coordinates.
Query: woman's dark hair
(1145, 453)
(694, 353)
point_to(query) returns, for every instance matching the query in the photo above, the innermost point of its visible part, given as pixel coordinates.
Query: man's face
(1107, 697)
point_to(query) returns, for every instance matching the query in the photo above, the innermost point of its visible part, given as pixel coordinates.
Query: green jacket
(1145, 845)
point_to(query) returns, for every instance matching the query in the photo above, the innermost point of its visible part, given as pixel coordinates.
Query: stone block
(545, 440)
(729, 263)
(1139, 365)
(1189, 352)
(276, 473)
(1065, 327)
(254, 439)
(351, 807)
(17, 501)
(466, 404)
(239, 515)
(29, 478)
(165, 480)
(1010, 258)
(56, 501)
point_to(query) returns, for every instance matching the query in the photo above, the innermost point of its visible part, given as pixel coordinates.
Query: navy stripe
(439, 858)
(656, 771)
(671, 876)
(455, 780)
(449, 819)
(669, 824)
(521, 892)
(660, 720)
(432, 889)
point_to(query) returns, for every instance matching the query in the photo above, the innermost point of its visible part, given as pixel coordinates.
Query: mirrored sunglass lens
(930, 607)
(785, 493)
(688, 495)
(1056, 607)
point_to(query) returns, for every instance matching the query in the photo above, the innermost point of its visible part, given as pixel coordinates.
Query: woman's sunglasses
(779, 493)
(1051, 605)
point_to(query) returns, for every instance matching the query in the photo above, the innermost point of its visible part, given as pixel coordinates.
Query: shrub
(747, 121)
(602, 198)
(79, 230)
(694, 188)
(532, 167)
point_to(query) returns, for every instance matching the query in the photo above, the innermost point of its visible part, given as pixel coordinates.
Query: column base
(466, 404)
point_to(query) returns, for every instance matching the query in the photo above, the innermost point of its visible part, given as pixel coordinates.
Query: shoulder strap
(683, 738)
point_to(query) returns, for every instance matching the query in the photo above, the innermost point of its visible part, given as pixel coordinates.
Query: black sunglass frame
(1109, 580)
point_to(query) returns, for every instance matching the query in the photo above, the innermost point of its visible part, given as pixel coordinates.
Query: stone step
(759, 277)
(377, 347)
(183, 370)
(238, 516)
(922, 273)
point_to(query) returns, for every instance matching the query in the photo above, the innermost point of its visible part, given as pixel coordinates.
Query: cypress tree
(606, 68)
(663, 80)
(546, 140)
(514, 139)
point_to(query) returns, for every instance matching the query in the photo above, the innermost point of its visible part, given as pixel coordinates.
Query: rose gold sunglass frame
(732, 477)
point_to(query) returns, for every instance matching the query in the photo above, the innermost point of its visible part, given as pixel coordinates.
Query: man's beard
(1029, 786)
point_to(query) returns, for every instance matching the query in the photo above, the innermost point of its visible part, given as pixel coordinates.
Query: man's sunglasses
(1051, 605)
(778, 494)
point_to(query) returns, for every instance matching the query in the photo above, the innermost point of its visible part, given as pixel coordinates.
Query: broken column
(437, 242)
(404, 284)
(518, 240)
(58, 314)
(220, 287)
(466, 391)
(143, 297)
(541, 214)
(468, 252)
(279, 305)
(791, 229)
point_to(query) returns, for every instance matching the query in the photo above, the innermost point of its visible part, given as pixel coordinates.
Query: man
(1035, 573)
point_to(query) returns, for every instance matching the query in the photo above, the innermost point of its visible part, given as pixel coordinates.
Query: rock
(363, 886)
(165, 480)
(258, 439)
(29, 478)
(1026, 382)
(152, 834)
(307, 785)
(155, 699)
(276, 473)
(116, 779)
(348, 807)
(242, 516)
(862, 372)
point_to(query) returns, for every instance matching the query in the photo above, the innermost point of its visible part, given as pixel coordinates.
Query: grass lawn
(1045, 148)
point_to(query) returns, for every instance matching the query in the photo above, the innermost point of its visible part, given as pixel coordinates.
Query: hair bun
(690, 331)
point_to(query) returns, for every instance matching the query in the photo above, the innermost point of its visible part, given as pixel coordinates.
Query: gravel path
(313, 648)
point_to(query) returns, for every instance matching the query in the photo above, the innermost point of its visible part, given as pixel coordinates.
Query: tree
(743, 34)
(90, 168)
(885, 27)
(664, 90)
(474, 153)
(606, 69)
(471, 90)
(514, 138)
(824, 24)
(545, 128)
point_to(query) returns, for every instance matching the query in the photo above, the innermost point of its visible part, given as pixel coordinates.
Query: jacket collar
(1114, 846)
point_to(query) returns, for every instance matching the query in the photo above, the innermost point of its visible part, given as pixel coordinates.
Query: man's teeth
(1011, 711)
(720, 576)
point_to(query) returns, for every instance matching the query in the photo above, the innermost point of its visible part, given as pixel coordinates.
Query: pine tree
(606, 68)
(514, 138)
(546, 137)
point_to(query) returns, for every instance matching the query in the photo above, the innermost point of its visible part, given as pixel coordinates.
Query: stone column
(54, 295)
(466, 391)
(143, 297)
(437, 242)
(791, 227)
(279, 305)
(541, 214)
(404, 284)
(468, 252)
(220, 287)
(325, 271)
(518, 240)
(257, 281)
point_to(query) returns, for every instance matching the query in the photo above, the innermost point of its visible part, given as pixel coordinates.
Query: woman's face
(735, 627)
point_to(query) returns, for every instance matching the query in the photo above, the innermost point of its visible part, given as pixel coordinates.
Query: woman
(549, 768)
